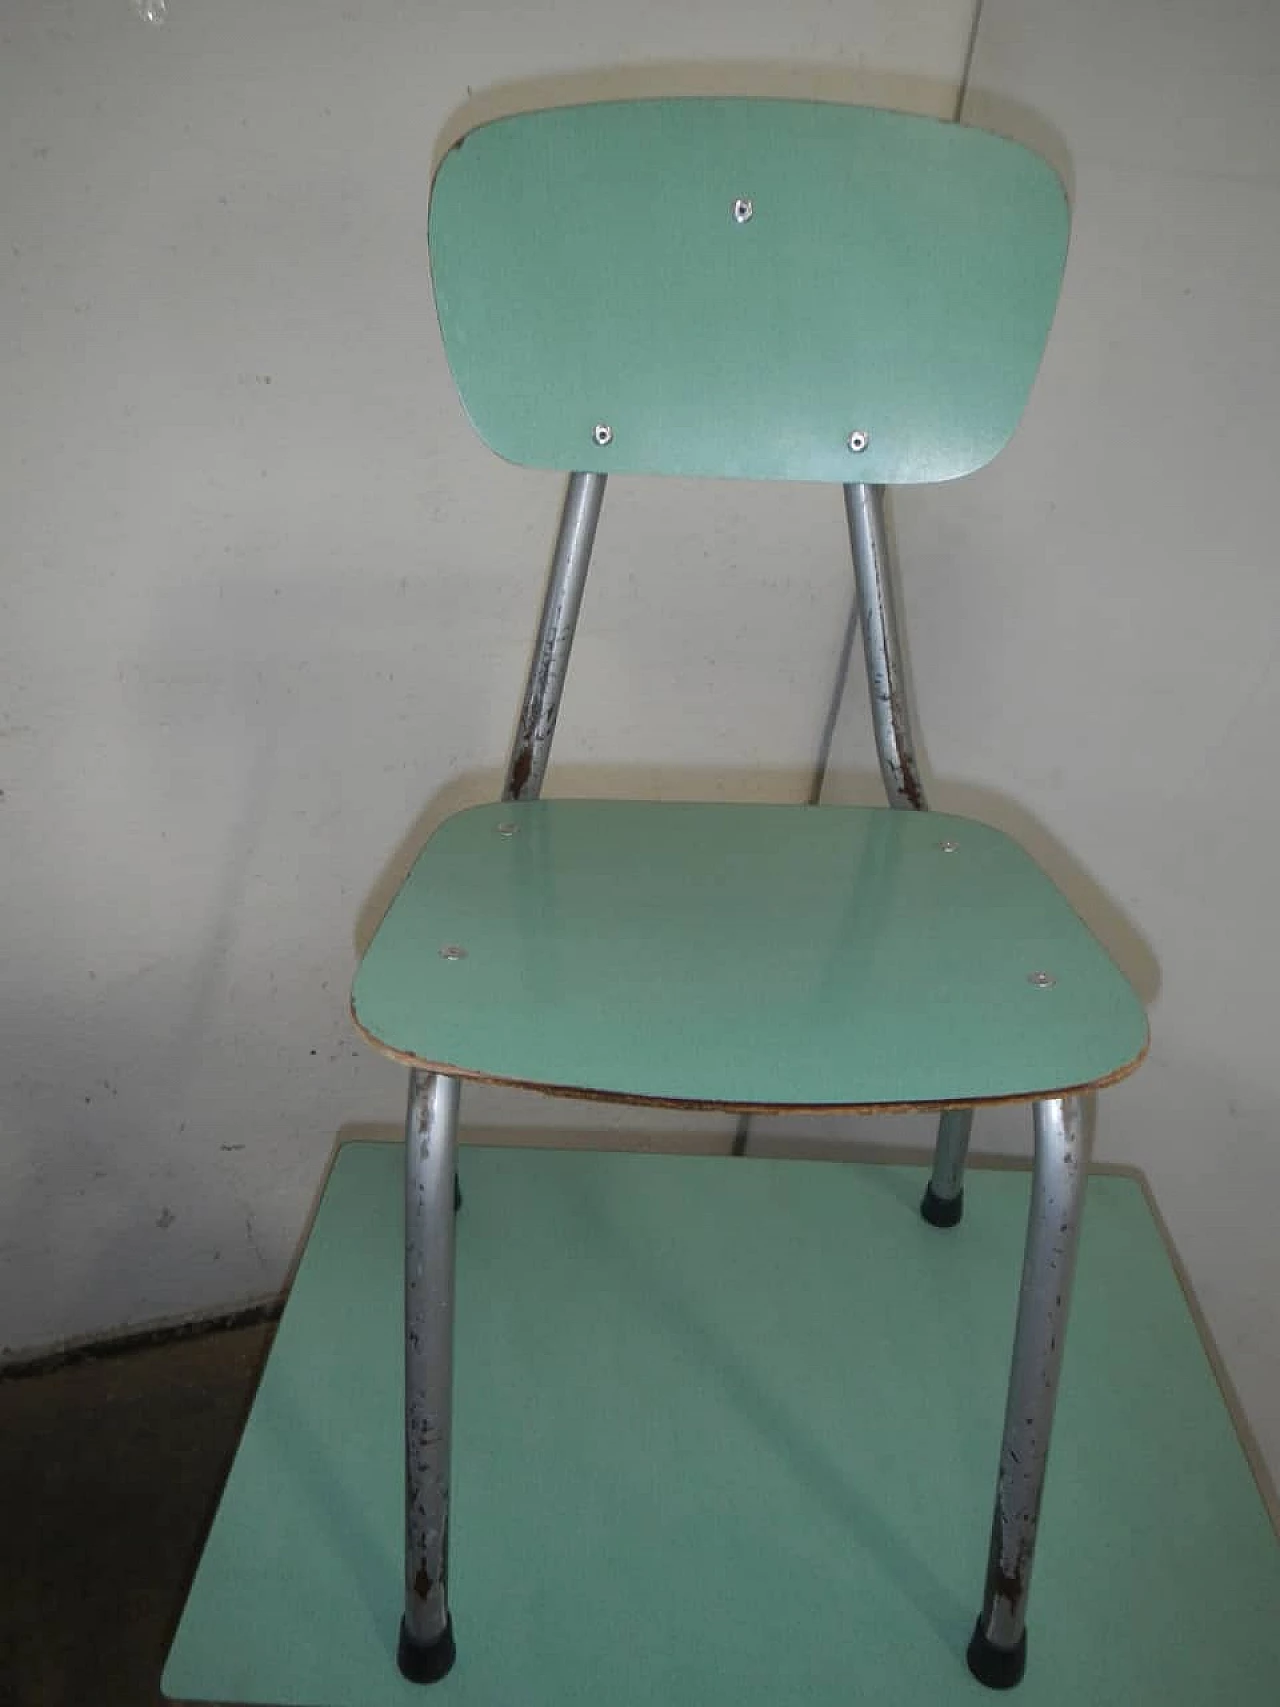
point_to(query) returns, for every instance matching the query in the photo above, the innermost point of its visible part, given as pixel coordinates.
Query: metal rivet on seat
(1041, 980)
(602, 433)
(507, 829)
(453, 951)
(859, 439)
(948, 847)
(742, 210)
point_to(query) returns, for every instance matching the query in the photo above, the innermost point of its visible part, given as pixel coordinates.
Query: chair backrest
(745, 287)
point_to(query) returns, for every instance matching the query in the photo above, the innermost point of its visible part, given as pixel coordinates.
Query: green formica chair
(764, 290)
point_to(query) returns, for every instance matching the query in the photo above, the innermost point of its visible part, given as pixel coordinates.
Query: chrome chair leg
(1064, 1138)
(943, 1202)
(426, 1650)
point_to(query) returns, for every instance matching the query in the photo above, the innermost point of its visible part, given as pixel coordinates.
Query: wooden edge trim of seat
(582, 1093)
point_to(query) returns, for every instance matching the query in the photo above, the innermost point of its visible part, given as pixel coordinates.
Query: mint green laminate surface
(726, 1436)
(897, 276)
(743, 954)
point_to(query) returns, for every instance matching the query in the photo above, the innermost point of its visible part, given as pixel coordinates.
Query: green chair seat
(743, 956)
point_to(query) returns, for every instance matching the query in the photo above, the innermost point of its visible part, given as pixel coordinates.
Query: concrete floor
(110, 1469)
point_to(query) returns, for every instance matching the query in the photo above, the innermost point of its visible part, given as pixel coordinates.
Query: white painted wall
(267, 604)
(258, 633)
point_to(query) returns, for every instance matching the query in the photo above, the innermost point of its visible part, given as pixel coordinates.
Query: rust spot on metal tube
(1009, 1586)
(912, 787)
(521, 768)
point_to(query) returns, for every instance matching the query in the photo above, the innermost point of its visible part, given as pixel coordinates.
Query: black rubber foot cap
(941, 1211)
(998, 1668)
(426, 1662)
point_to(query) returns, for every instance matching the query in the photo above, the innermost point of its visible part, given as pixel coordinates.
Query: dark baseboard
(140, 1339)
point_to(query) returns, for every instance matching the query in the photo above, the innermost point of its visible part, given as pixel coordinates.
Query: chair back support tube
(895, 745)
(550, 663)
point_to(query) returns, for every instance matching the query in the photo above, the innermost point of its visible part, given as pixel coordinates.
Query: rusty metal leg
(426, 1650)
(943, 1201)
(1064, 1139)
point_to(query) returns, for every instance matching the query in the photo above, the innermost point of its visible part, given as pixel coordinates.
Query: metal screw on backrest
(1041, 980)
(948, 847)
(858, 440)
(742, 210)
(507, 829)
(452, 951)
(602, 433)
